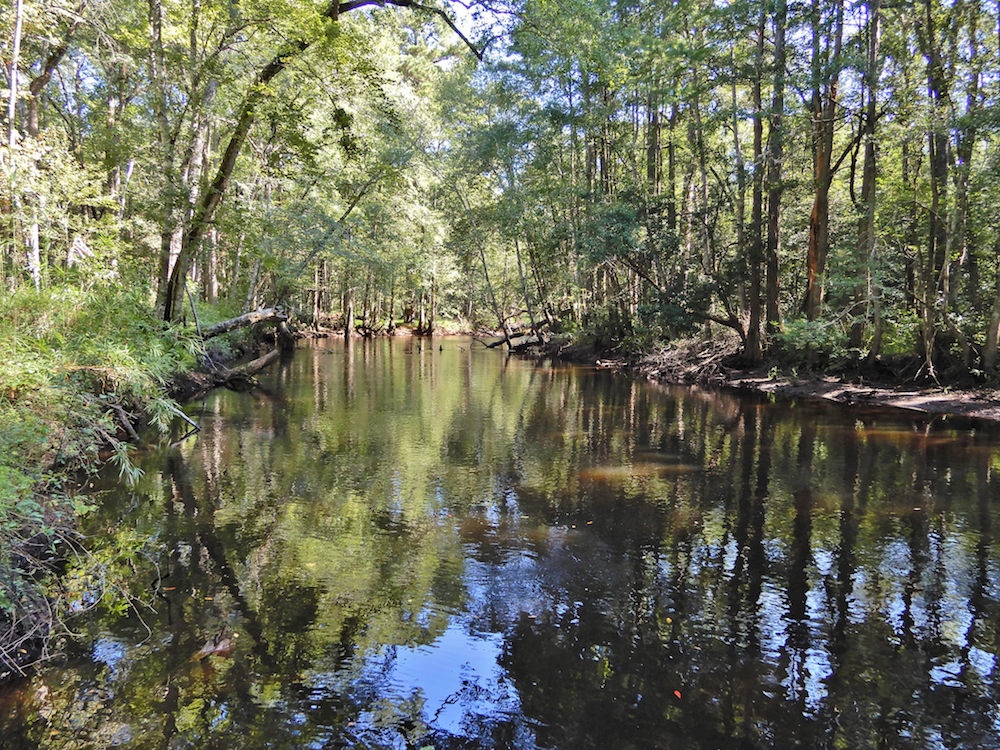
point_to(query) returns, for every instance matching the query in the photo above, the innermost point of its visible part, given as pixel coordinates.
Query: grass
(83, 370)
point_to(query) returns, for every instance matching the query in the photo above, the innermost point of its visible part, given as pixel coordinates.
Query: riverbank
(717, 364)
(78, 385)
(980, 403)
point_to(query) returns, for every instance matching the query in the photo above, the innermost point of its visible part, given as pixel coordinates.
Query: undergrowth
(84, 371)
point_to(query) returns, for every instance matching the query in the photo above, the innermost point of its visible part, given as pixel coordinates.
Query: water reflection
(414, 546)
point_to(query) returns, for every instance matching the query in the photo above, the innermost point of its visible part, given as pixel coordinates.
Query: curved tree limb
(171, 295)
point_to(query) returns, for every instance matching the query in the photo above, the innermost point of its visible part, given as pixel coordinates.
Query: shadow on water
(402, 545)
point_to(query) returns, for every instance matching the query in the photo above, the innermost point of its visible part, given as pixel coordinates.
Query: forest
(819, 181)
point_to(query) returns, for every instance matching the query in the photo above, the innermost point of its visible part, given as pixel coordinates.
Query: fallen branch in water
(248, 370)
(239, 378)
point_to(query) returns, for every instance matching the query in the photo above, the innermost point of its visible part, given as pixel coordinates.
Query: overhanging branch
(336, 9)
(204, 212)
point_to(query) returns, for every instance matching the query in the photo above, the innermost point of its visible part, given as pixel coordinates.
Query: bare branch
(346, 7)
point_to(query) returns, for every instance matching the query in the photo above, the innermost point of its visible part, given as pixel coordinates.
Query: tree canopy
(815, 177)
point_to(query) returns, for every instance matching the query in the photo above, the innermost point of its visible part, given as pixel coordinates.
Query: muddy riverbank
(714, 365)
(718, 364)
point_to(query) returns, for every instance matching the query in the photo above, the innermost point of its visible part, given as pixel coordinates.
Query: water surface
(411, 544)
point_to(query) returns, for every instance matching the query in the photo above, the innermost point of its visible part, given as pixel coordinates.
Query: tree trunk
(169, 226)
(524, 286)
(247, 319)
(210, 270)
(324, 288)
(606, 174)
(702, 212)
(34, 248)
(315, 297)
(539, 287)
(775, 160)
(993, 328)
(654, 152)
(13, 75)
(960, 238)
(208, 204)
(753, 346)
(819, 245)
(366, 303)
(391, 325)
(432, 306)
(934, 288)
(741, 191)
(251, 298)
(672, 171)
(226, 377)
(349, 313)
(825, 76)
(870, 290)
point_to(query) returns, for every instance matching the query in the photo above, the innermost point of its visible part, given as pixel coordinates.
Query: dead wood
(249, 369)
(240, 378)
(286, 339)
(247, 319)
(516, 341)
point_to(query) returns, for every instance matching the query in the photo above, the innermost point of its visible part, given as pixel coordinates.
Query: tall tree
(936, 31)
(775, 164)
(754, 344)
(867, 292)
(826, 61)
(173, 276)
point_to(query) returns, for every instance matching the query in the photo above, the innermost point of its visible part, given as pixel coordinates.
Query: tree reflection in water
(418, 547)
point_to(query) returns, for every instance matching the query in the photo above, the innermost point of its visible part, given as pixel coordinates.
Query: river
(423, 544)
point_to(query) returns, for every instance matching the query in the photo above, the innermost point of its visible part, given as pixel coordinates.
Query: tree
(826, 61)
(205, 205)
(775, 164)
(868, 293)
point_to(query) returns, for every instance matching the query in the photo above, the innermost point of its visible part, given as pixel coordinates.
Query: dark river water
(406, 544)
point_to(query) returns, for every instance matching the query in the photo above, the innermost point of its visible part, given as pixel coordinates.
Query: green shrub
(811, 343)
(901, 331)
(79, 362)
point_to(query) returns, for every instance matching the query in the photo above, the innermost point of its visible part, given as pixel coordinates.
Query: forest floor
(718, 364)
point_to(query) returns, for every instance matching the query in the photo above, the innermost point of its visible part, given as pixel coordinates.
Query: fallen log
(252, 367)
(492, 344)
(247, 319)
(511, 339)
(241, 378)
(524, 342)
